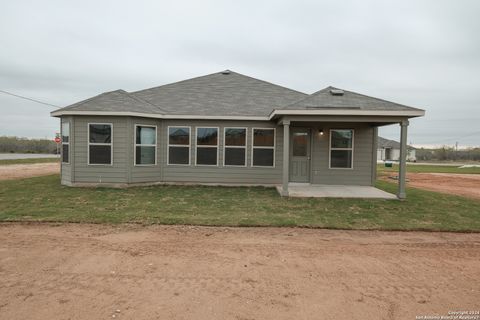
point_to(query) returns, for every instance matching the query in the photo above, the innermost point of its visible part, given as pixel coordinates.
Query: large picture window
(66, 142)
(263, 147)
(235, 151)
(179, 145)
(145, 145)
(207, 146)
(100, 137)
(341, 149)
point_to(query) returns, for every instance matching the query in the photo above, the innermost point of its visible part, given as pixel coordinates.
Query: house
(389, 150)
(227, 128)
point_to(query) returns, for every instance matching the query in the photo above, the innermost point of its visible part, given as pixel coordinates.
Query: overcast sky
(423, 54)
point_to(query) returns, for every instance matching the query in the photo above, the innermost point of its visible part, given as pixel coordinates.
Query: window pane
(300, 141)
(178, 155)
(234, 156)
(263, 137)
(100, 133)
(207, 156)
(100, 154)
(207, 136)
(65, 131)
(235, 137)
(65, 153)
(146, 135)
(342, 138)
(145, 155)
(263, 157)
(341, 159)
(179, 135)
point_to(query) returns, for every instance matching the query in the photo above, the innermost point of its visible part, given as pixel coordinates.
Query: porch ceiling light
(320, 131)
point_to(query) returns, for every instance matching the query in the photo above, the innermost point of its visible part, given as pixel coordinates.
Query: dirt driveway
(20, 171)
(160, 272)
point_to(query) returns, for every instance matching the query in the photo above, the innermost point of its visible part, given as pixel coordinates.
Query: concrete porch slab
(304, 190)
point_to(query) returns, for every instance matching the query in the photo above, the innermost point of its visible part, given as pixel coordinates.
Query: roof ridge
(270, 83)
(175, 82)
(214, 73)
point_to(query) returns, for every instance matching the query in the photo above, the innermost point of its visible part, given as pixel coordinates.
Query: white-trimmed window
(100, 146)
(206, 146)
(263, 147)
(178, 145)
(65, 142)
(235, 147)
(341, 148)
(145, 145)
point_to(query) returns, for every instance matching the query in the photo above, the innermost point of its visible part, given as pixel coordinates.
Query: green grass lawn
(28, 161)
(44, 199)
(428, 168)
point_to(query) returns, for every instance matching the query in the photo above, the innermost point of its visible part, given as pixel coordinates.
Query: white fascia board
(347, 112)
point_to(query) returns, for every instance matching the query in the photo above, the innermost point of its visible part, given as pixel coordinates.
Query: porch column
(286, 156)
(403, 159)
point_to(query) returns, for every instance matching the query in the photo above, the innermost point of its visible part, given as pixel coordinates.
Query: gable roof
(221, 93)
(230, 95)
(331, 97)
(386, 143)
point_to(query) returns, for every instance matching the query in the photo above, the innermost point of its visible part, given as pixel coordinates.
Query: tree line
(25, 145)
(448, 154)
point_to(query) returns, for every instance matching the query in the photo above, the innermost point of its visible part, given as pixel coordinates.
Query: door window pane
(300, 144)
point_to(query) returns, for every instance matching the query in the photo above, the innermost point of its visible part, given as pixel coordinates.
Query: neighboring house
(225, 128)
(389, 150)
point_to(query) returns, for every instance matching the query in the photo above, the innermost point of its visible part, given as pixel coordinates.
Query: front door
(300, 155)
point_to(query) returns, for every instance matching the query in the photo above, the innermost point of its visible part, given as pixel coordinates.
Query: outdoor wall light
(320, 131)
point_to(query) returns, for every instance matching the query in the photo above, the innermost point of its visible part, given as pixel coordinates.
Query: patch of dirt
(168, 272)
(20, 171)
(467, 185)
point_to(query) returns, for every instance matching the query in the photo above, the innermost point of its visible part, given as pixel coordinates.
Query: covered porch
(320, 178)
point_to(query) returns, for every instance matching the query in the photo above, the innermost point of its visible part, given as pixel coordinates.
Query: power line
(27, 98)
(457, 138)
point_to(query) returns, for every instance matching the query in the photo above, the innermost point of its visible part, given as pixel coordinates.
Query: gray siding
(220, 173)
(116, 173)
(125, 171)
(361, 174)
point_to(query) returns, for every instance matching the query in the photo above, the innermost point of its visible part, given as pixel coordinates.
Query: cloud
(422, 53)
